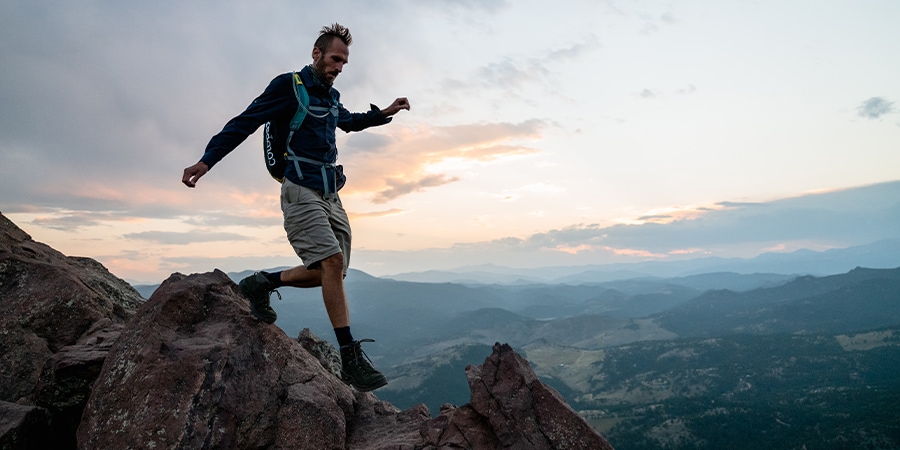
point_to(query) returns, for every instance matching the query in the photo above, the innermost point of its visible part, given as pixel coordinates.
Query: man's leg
(355, 366)
(301, 277)
(331, 278)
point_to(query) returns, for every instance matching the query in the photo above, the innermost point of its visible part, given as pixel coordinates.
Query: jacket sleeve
(349, 121)
(274, 103)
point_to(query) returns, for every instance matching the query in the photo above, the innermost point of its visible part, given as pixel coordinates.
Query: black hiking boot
(258, 289)
(356, 369)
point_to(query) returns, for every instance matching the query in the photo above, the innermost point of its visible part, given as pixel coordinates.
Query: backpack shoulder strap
(302, 109)
(302, 99)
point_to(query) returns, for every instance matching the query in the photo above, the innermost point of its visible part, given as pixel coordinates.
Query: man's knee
(333, 262)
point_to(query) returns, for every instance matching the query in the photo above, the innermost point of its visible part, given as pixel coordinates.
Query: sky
(591, 132)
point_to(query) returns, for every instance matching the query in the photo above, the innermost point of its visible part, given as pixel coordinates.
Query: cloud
(366, 142)
(690, 89)
(415, 158)
(468, 6)
(655, 217)
(649, 22)
(214, 219)
(185, 238)
(505, 79)
(389, 212)
(398, 187)
(533, 188)
(859, 215)
(75, 220)
(874, 108)
(738, 204)
(827, 220)
(574, 52)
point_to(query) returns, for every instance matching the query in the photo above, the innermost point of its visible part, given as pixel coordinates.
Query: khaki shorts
(317, 228)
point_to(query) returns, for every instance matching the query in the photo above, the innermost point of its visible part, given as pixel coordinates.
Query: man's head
(331, 51)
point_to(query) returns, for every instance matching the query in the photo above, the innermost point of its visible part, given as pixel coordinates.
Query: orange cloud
(634, 252)
(573, 250)
(390, 212)
(398, 188)
(688, 251)
(407, 163)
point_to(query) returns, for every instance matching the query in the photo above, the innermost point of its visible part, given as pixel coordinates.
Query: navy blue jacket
(314, 140)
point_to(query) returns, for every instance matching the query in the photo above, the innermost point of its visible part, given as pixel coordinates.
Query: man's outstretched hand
(400, 103)
(193, 173)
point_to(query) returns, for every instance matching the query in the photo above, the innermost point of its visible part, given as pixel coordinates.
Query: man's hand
(193, 173)
(400, 103)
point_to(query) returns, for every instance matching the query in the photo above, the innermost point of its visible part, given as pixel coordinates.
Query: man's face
(331, 63)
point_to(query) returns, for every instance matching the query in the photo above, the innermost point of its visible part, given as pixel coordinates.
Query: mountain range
(652, 360)
(884, 253)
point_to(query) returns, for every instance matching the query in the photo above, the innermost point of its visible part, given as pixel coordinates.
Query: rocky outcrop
(193, 369)
(510, 408)
(50, 307)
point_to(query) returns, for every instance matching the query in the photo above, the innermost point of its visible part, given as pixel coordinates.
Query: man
(314, 219)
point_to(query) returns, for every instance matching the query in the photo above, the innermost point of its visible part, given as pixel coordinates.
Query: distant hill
(737, 391)
(880, 254)
(860, 299)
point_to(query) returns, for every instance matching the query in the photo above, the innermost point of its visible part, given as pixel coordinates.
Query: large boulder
(49, 301)
(195, 370)
(58, 317)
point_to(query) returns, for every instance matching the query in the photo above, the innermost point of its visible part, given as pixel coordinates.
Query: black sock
(343, 336)
(274, 278)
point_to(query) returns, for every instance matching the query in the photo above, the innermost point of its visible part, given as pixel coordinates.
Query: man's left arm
(348, 121)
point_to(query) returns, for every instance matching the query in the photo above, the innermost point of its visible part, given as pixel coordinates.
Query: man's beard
(319, 68)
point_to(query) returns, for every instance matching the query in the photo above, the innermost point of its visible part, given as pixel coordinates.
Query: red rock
(195, 370)
(511, 408)
(53, 310)
(23, 426)
(48, 301)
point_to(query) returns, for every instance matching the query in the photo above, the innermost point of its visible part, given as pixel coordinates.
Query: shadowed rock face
(58, 316)
(192, 368)
(48, 301)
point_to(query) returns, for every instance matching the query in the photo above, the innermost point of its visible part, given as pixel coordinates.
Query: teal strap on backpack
(277, 157)
(302, 110)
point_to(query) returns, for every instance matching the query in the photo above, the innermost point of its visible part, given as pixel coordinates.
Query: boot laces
(357, 350)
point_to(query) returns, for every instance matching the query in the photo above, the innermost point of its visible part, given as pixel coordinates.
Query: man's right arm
(272, 104)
